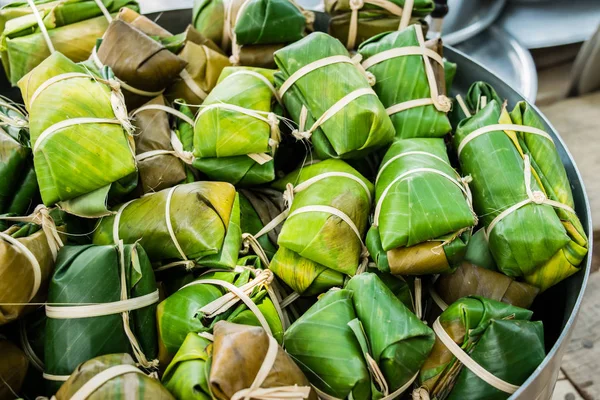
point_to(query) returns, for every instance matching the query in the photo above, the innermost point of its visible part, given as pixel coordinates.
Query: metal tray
(466, 18)
(503, 55)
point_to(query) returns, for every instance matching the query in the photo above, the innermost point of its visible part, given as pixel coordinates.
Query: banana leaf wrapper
(186, 377)
(19, 191)
(92, 274)
(403, 344)
(471, 280)
(205, 218)
(126, 387)
(498, 336)
(553, 249)
(13, 369)
(450, 69)
(32, 336)
(394, 87)
(205, 61)
(421, 8)
(179, 314)
(143, 23)
(17, 272)
(257, 209)
(224, 139)
(365, 117)
(478, 252)
(238, 354)
(320, 236)
(85, 159)
(149, 66)
(73, 28)
(424, 219)
(153, 132)
(472, 100)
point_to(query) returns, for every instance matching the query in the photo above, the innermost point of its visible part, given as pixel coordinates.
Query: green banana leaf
(424, 216)
(365, 117)
(78, 159)
(449, 74)
(258, 208)
(127, 386)
(205, 61)
(552, 251)
(262, 21)
(369, 23)
(186, 377)
(179, 314)
(19, 192)
(153, 132)
(471, 280)
(238, 354)
(303, 276)
(149, 66)
(17, 270)
(32, 335)
(421, 8)
(323, 345)
(224, 139)
(401, 287)
(205, 218)
(13, 369)
(403, 79)
(92, 274)
(399, 341)
(73, 28)
(498, 336)
(320, 236)
(478, 251)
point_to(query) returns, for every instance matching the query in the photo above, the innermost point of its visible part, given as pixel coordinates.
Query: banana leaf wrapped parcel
(19, 191)
(236, 132)
(340, 339)
(163, 154)
(13, 369)
(117, 377)
(193, 223)
(522, 193)
(417, 106)
(119, 282)
(198, 305)
(258, 207)
(501, 338)
(251, 30)
(79, 135)
(353, 22)
(73, 28)
(348, 120)
(423, 213)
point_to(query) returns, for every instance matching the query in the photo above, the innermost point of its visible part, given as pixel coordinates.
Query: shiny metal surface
(505, 56)
(466, 18)
(558, 307)
(540, 24)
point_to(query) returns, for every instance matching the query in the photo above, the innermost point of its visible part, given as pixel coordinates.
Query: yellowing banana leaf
(238, 355)
(323, 345)
(17, 272)
(471, 280)
(229, 144)
(73, 28)
(204, 217)
(403, 79)
(399, 341)
(303, 276)
(531, 241)
(180, 313)
(421, 223)
(321, 236)
(205, 61)
(19, 192)
(186, 377)
(148, 68)
(126, 386)
(257, 208)
(13, 369)
(420, 8)
(498, 336)
(360, 127)
(75, 160)
(143, 23)
(93, 274)
(153, 132)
